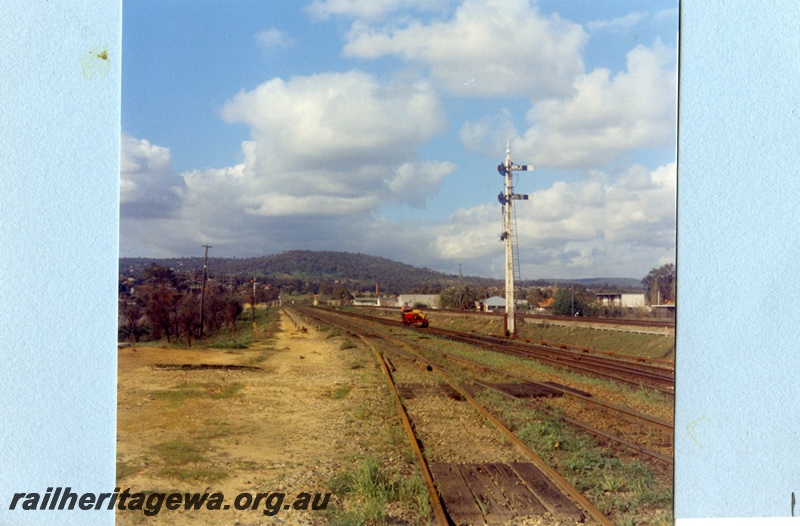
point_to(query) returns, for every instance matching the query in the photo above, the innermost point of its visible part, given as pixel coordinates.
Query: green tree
(573, 301)
(159, 275)
(659, 284)
(461, 297)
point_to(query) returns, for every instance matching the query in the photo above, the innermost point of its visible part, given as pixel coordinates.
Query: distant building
(367, 302)
(494, 303)
(621, 300)
(431, 301)
(666, 311)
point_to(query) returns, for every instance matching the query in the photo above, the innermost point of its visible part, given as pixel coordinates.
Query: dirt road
(283, 427)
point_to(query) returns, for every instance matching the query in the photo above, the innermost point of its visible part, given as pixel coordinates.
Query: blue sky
(376, 126)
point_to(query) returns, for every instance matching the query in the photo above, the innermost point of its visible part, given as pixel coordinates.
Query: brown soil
(275, 429)
(296, 412)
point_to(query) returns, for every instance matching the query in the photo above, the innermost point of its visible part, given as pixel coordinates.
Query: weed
(178, 394)
(612, 483)
(125, 470)
(362, 412)
(372, 490)
(347, 344)
(179, 452)
(182, 392)
(185, 461)
(341, 391)
(228, 391)
(590, 461)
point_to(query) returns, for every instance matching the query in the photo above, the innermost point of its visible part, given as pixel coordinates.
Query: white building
(618, 299)
(369, 302)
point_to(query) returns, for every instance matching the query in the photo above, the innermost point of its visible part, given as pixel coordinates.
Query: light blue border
(59, 161)
(737, 422)
(738, 413)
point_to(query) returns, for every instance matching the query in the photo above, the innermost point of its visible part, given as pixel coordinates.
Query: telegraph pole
(203, 289)
(506, 199)
(255, 326)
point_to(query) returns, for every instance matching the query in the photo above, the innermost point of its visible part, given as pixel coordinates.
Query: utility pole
(506, 199)
(253, 303)
(203, 289)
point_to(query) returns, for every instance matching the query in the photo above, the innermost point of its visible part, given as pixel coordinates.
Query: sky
(376, 126)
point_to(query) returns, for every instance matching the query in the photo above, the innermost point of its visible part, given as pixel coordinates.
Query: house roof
(495, 301)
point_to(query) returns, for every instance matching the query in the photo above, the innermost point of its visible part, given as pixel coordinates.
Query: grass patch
(347, 344)
(215, 429)
(184, 391)
(226, 391)
(372, 490)
(179, 452)
(185, 461)
(124, 470)
(620, 488)
(180, 393)
(341, 391)
(242, 336)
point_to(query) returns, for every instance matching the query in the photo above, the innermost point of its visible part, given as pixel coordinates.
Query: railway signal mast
(506, 199)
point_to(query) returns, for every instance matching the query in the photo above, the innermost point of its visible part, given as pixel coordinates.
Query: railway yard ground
(308, 409)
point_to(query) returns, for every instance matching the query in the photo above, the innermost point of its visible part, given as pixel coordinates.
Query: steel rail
(660, 384)
(436, 503)
(658, 378)
(567, 319)
(650, 421)
(645, 371)
(557, 479)
(577, 423)
(552, 474)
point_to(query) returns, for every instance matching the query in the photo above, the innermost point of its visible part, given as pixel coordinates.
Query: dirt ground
(287, 415)
(274, 429)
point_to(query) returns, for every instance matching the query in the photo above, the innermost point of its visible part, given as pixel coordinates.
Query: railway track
(619, 413)
(651, 324)
(631, 371)
(490, 483)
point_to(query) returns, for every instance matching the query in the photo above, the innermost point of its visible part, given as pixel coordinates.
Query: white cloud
(592, 227)
(148, 184)
(489, 48)
(273, 38)
(622, 23)
(608, 116)
(336, 143)
(369, 9)
(326, 153)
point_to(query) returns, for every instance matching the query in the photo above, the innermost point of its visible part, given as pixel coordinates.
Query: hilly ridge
(357, 271)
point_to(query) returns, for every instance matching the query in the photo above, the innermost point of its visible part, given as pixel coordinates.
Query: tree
(461, 297)
(160, 306)
(188, 317)
(131, 328)
(342, 294)
(573, 301)
(536, 295)
(659, 284)
(158, 275)
(233, 309)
